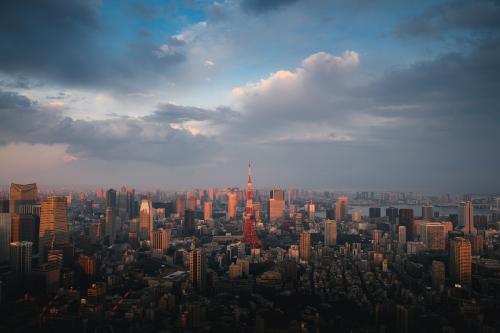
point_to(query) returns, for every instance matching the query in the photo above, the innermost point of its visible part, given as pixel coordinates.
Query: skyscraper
(402, 234)
(179, 205)
(207, 210)
(159, 240)
(53, 223)
(305, 246)
(427, 212)
(145, 219)
(406, 219)
(110, 223)
(433, 235)
(22, 194)
(341, 208)
(330, 232)
(276, 206)
(189, 223)
(232, 202)
(374, 212)
(468, 216)
(111, 198)
(391, 213)
(197, 269)
(438, 273)
(20, 257)
(26, 227)
(5, 236)
(460, 261)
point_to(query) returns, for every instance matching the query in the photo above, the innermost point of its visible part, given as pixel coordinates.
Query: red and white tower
(249, 235)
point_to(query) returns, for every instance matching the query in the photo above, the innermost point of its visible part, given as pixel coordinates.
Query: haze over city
(346, 95)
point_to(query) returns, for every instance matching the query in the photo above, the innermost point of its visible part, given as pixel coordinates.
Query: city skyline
(346, 95)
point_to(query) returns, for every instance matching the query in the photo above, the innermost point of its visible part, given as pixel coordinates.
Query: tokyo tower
(249, 235)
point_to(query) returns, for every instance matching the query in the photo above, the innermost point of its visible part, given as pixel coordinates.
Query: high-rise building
(406, 218)
(330, 232)
(88, 265)
(438, 274)
(22, 194)
(145, 219)
(159, 240)
(374, 212)
(25, 227)
(402, 234)
(468, 216)
(392, 214)
(433, 235)
(460, 261)
(5, 236)
(341, 208)
(191, 202)
(207, 210)
(189, 222)
(110, 223)
(111, 198)
(310, 209)
(276, 207)
(232, 203)
(198, 269)
(305, 246)
(179, 205)
(20, 257)
(4, 205)
(53, 223)
(427, 212)
(377, 236)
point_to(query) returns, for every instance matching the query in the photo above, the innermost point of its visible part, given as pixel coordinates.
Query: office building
(341, 209)
(179, 205)
(88, 265)
(392, 214)
(468, 218)
(159, 240)
(460, 261)
(26, 227)
(374, 212)
(427, 212)
(276, 205)
(402, 234)
(53, 223)
(433, 235)
(20, 257)
(189, 222)
(438, 274)
(111, 198)
(305, 246)
(330, 232)
(145, 219)
(405, 216)
(232, 203)
(197, 269)
(21, 194)
(5, 236)
(207, 210)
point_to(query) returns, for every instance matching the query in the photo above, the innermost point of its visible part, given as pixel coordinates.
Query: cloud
(146, 139)
(263, 6)
(470, 15)
(66, 43)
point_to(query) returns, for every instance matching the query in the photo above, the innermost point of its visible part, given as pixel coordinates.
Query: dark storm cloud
(471, 15)
(263, 6)
(140, 139)
(64, 42)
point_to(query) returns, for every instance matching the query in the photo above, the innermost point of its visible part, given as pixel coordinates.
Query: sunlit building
(460, 261)
(145, 219)
(53, 223)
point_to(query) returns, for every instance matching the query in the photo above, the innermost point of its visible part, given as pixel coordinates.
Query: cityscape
(248, 260)
(254, 166)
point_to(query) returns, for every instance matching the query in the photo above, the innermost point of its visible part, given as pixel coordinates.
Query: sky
(175, 94)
